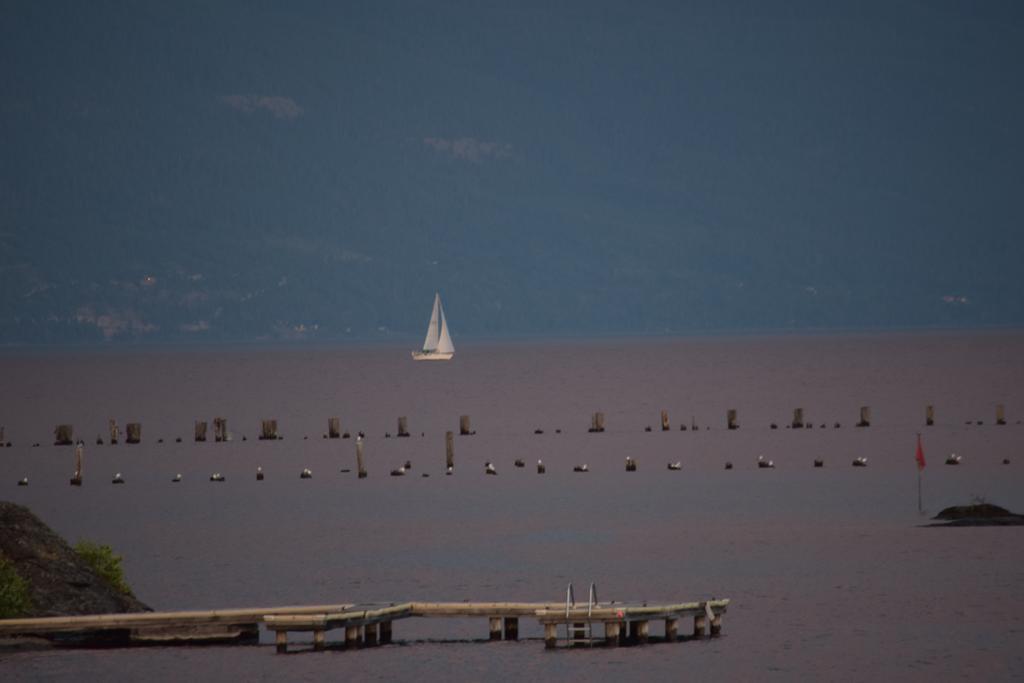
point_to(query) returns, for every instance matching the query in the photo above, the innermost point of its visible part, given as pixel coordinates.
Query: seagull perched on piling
(540, 467)
(117, 479)
(23, 481)
(306, 473)
(216, 476)
(177, 478)
(489, 468)
(761, 462)
(860, 462)
(581, 468)
(953, 459)
(449, 470)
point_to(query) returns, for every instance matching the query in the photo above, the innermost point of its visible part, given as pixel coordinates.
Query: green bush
(105, 563)
(15, 600)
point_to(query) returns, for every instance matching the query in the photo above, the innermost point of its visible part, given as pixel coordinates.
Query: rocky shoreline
(54, 578)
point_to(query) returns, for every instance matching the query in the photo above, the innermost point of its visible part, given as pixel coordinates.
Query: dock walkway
(369, 624)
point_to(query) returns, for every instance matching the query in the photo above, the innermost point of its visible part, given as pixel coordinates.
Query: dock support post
(550, 635)
(220, 429)
(199, 431)
(449, 450)
(281, 639)
(716, 625)
(370, 635)
(464, 426)
(133, 432)
(641, 632)
(351, 636)
(611, 633)
(798, 418)
(403, 426)
(385, 632)
(700, 622)
(511, 628)
(319, 640)
(623, 633)
(671, 630)
(333, 428)
(929, 415)
(1000, 414)
(495, 628)
(865, 416)
(358, 459)
(597, 423)
(730, 419)
(665, 426)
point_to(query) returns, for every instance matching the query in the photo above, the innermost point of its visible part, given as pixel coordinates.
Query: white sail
(430, 343)
(438, 343)
(444, 342)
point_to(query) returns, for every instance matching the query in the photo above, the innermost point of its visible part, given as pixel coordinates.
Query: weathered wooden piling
(929, 415)
(730, 419)
(333, 428)
(511, 628)
(630, 465)
(550, 635)
(76, 478)
(268, 430)
(62, 435)
(464, 429)
(1000, 414)
(671, 629)
(597, 423)
(798, 418)
(133, 432)
(2, 442)
(359, 458)
(665, 426)
(700, 622)
(449, 451)
(115, 433)
(403, 426)
(220, 429)
(865, 416)
(540, 467)
(200, 431)
(351, 636)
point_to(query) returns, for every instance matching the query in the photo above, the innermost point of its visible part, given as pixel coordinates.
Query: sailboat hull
(431, 355)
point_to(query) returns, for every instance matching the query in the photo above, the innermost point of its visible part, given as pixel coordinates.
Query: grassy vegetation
(15, 600)
(105, 563)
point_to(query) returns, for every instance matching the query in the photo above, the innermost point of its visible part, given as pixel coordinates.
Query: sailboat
(438, 344)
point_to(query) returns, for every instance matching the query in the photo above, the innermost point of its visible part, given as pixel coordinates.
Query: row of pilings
(64, 433)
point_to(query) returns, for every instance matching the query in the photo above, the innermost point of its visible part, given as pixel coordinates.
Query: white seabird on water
(489, 468)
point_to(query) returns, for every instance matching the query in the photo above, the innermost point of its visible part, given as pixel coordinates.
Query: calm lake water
(830, 575)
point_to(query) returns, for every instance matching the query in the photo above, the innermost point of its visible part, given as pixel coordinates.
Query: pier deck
(367, 624)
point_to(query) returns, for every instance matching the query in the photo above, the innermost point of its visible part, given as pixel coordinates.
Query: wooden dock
(366, 625)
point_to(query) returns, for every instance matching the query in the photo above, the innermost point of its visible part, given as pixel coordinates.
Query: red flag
(919, 456)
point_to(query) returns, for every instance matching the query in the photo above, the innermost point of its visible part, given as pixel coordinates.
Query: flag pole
(921, 510)
(919, 457)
